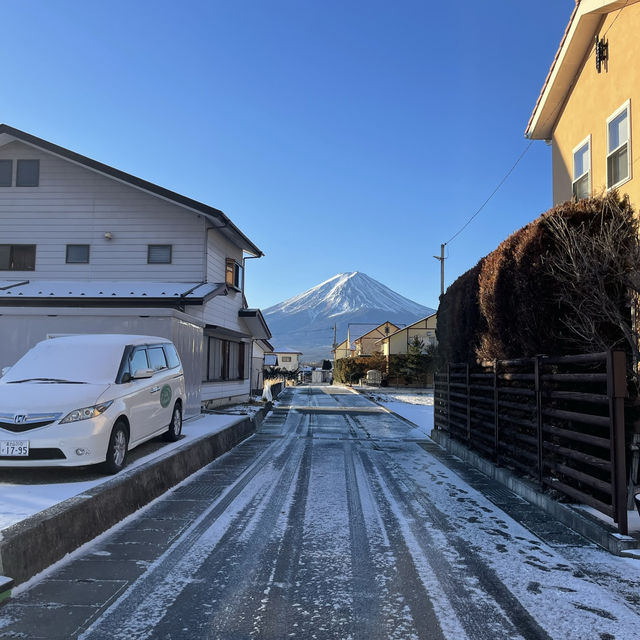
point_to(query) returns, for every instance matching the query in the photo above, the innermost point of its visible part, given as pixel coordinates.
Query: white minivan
(88, 399)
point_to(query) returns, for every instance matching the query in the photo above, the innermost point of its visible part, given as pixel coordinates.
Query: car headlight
(86, 412)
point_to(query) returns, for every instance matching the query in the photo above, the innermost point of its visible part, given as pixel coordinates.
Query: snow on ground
(25, 492)
(248, 409)
(415, 406)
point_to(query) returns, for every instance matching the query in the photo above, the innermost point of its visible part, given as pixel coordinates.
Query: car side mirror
(143, 373)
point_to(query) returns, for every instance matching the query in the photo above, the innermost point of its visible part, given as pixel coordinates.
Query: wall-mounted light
(108, 235)
(602, 53)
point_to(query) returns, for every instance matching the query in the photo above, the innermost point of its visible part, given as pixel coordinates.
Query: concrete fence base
(595, 530)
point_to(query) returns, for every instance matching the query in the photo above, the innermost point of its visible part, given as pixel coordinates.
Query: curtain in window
(234, 365)
(215, 359)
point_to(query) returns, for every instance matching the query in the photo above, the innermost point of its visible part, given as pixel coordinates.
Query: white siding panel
(74, 205)
(218, 250)
(224, 390)
(222, 311)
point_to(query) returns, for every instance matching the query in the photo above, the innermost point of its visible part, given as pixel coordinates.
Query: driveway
(337, 520)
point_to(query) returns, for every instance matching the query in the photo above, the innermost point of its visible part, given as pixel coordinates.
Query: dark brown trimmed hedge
(512, 305)
(460, 323)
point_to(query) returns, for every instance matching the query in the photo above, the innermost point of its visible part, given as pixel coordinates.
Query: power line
(493, 193)
(614, 20)
(515, 164)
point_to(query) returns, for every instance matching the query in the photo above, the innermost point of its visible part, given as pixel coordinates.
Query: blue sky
(338, 135)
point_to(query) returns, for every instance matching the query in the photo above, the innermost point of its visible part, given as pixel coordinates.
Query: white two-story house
(86, 248)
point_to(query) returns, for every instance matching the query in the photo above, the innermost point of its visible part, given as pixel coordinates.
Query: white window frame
(576, 179)
(625, 107)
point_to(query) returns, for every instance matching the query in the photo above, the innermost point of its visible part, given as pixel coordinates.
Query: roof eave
(577, 41)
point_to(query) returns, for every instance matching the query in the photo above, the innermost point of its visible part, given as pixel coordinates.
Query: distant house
(363, 342)
(342, 350)
(287, 359)
(86, 248)
(398, 342)
(585, 106)
(366, 344)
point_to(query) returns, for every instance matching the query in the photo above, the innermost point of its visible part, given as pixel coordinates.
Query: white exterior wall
(227, 392)
(74, 205)
(218, 250)
(289, 366)
(22, 328)
(222, 313)
(257, 366)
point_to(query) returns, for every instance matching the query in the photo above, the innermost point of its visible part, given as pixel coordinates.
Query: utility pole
(441, 258)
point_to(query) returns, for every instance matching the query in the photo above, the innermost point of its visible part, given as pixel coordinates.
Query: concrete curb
(31, 545)
(594, 530)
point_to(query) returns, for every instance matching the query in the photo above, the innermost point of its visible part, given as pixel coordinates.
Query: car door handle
(155, 389)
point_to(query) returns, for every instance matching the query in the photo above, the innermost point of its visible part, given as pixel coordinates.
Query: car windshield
(64, 361)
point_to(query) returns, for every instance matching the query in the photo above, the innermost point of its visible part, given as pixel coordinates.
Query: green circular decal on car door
(165, 396)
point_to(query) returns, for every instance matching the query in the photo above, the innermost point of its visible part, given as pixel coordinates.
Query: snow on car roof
(92, 358)
(122, 339)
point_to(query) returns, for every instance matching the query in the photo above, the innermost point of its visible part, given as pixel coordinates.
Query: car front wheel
(175, 428)
(117, 450)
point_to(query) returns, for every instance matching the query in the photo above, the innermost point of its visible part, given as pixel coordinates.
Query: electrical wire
(493, 193)
(515, 164)
(614, 20)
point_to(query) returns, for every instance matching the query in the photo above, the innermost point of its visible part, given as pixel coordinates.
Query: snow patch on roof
(104, 289)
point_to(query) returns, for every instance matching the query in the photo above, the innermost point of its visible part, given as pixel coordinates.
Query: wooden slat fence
(560, 420)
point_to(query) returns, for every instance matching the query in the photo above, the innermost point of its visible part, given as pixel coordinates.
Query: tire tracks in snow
(137, 612)
(499, 616)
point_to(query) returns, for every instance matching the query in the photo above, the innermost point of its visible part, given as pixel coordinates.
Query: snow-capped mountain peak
(346, 293)
(307, 319)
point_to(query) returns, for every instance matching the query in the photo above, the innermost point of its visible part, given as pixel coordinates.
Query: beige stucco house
(342, 350)
(585, 108)
(398, 342)
(367, 343)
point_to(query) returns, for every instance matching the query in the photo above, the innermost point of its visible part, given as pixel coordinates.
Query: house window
(233, 275)
(159, 254)
(618, 151)
(6, 173)
(582, 170)
(214, 359)
(77, 254)
(28, 173)
(17, 257)
(286, 358)
(225, 360)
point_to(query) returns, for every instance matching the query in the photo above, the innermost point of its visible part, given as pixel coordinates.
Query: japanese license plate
(14, 448)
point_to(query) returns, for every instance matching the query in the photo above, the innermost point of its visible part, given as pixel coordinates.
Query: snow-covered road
(334, 521)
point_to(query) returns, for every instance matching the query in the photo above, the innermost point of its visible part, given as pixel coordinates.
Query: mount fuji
(305, 322)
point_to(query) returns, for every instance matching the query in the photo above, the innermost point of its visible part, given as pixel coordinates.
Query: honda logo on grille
(20, 419)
